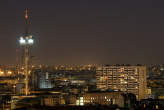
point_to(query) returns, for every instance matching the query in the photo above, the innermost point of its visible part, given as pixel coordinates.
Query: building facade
(104, 98)
(53, 100)
(129, 79)
(41, 80)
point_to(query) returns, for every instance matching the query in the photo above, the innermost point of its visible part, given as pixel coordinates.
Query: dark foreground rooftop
(98, 107)
(89, 107)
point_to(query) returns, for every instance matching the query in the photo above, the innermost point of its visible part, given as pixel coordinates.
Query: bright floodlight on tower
(22, 41)
(28, 40)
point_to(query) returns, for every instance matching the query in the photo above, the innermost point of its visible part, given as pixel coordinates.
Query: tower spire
(26, 14)
(26, 21)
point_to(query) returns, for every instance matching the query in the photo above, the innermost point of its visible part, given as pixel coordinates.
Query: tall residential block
(126, 78)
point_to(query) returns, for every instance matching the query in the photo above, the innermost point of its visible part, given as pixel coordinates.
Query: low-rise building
(104, 98)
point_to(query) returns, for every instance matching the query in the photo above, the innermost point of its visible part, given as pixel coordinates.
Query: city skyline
(81, 54)
(85, 32)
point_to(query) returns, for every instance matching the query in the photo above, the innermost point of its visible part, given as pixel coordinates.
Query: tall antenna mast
(26, 41)
(27, 50)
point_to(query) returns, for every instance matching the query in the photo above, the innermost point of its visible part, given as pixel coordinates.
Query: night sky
(85, 31)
